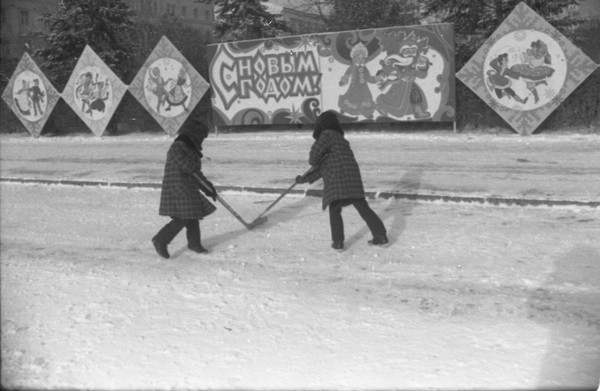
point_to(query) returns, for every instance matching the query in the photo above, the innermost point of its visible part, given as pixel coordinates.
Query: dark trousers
(173, 227)
(364, 210)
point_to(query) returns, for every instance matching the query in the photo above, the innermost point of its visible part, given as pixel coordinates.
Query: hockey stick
(286, 191)
(248, 226)
(277, 200)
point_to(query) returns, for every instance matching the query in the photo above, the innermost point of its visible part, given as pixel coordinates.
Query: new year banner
(525, 69)
(379, 75)
(30, 95)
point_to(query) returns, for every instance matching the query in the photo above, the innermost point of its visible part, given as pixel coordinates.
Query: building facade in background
(21, 18)
(195, 14)
(308, 16)
(589, 10)
(300, 17)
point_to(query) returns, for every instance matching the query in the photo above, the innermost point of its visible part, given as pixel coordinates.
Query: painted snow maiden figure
(342, 183)
(180, 198)
(358, 100)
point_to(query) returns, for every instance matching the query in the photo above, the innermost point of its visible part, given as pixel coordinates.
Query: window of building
(3, 15)
(207, 15)
(183, 10)
(24, 17)
(573, 9)
(195, 13)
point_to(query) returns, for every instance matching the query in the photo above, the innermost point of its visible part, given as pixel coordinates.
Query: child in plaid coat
(334, 161)
(180, 198)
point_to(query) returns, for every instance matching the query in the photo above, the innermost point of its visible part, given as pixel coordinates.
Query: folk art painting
(30, 95)
(378, 75)
(525, 69)
(93, 91)
(168, 86)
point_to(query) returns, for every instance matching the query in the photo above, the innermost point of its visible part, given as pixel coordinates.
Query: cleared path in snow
(541, 167)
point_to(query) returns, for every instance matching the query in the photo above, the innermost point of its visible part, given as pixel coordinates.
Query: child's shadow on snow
(287, 213)
(275, 217)
(410, 182)
(213, 241)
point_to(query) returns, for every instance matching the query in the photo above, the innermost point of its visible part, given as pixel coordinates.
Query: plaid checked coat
(339, 170)
(180, 196)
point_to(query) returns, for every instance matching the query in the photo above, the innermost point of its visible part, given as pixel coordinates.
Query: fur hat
(327, 120)
(196, 130)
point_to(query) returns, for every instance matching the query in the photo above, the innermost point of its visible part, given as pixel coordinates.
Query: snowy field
(468, 296)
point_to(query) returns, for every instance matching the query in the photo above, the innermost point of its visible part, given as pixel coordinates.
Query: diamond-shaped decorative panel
(525, 69)
(168, 86)
(93, 91)
(30, 95)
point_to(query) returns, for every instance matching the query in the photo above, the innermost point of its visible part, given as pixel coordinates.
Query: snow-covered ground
(468, 296)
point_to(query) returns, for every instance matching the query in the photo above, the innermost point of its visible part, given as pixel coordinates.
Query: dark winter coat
(180, 196)
(339, 169)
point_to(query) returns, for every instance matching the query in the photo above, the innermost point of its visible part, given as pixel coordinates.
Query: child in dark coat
(334, 161)
(180, 198)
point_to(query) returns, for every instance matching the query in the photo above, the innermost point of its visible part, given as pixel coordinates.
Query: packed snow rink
(467, 296)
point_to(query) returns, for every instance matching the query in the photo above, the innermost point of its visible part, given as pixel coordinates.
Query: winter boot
(197, 248)
(337, 246)
(161, 248)
(379, 241)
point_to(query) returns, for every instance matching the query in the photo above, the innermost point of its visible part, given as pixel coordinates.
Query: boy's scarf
(190, 143)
